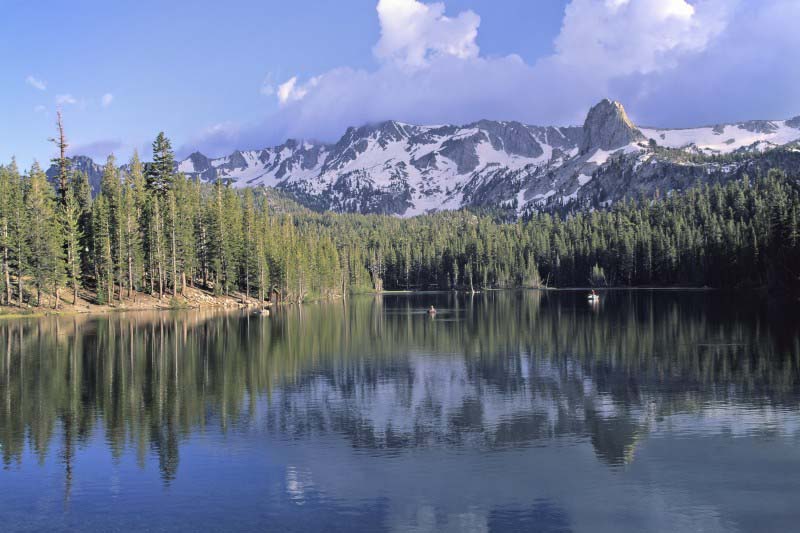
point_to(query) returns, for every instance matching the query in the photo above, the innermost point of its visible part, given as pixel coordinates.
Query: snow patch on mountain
(727, 138)
(407, 170)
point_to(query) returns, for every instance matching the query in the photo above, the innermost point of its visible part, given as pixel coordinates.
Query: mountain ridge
(392, 167)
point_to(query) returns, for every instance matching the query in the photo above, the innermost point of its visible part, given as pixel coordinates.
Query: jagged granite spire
(608, 127)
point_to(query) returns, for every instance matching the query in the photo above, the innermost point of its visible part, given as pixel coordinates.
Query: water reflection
(499, 382)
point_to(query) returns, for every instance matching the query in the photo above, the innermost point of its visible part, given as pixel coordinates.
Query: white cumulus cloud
(106, 100)
(621, 37)
(36, 83)
(669, 61)
(431, 69)
(290, 91)
(412, 32)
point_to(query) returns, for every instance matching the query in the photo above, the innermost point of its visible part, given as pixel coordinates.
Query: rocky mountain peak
(608, 127)
(404, 169)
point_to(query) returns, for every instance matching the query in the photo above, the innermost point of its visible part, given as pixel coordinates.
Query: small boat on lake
(593, 297)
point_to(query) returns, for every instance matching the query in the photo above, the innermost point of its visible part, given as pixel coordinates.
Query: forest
(152, 230)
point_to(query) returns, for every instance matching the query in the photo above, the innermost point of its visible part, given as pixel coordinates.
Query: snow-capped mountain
(404, 169)
(393, 167)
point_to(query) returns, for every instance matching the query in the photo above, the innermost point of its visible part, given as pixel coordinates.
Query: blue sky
(248, 73)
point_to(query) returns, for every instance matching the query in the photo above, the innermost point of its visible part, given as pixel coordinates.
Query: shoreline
(199, 299)
(192, 299)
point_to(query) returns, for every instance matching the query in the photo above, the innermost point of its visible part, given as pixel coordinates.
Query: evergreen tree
(61, 161)
(70, 224)
(160, 172)
(250, 249)
(102, 237)
(17, 229)
(135, 200)
(154, 244)
(7, 185)
(111, 190)
(45, 244)
(83, 196)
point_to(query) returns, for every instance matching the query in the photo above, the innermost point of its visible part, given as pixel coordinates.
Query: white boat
(594, 297)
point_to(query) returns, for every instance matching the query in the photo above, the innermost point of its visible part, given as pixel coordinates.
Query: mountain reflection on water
(372, 415)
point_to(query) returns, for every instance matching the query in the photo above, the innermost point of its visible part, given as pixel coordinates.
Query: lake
(528, 411)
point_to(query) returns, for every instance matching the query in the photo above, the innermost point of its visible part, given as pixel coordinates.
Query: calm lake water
(529, 411)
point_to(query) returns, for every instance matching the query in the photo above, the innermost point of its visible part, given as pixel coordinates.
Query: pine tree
(249, 248)
(102, 235)
(187, 199)
(44, 236)
(154, 244)
(160, 173)
(217, 238)
(111, 190)
(135, 200)
(7, 178)
(172, 216)
(70, 224)
(262, 256)
(17, 229)
(61, 160)
(231, 217)
(83, 196)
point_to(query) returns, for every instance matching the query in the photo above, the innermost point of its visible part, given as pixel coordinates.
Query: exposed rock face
(463, 152)
(759, 126)
(202, 166)
(626, 177)
(608, 127)
(404, 169)
(511, 137)
(81, 163)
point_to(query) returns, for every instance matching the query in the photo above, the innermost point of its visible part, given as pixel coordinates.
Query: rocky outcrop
(511, 137)
(201, 165)
(608, 127)
(81, 163)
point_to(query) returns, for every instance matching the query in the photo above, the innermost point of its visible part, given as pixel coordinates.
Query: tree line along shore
(150, 236)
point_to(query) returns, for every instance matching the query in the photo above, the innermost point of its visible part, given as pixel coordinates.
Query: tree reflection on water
(491, 372)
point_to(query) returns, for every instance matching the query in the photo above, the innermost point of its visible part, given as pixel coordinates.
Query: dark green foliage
(69, 215)
(743, 234)
(158, 232)
(43, 234)
(161, 171)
